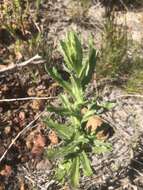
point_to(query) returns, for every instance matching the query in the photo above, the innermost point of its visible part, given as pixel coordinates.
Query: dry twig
(31, 60)
(27, 98)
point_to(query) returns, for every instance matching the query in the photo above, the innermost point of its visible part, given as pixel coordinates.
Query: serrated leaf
(61, 111)
(78, 52)
(61, 152)
(60, 174)
(87, 115)
(62, 171)
(63, 131)
(77, 90)
(101, 147)
(90, 65)
(66, 103)
(66, 54)
(72, 52)
(86, 164)
(108, 105)
(75, 172)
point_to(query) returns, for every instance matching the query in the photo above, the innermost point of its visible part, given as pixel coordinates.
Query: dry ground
(23, 167)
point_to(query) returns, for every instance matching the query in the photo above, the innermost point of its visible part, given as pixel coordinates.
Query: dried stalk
(24, 63)
(27, 98)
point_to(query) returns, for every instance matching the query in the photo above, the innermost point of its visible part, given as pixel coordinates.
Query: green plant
(134, 82)
(78, 142)
(113, 58)
(16, 16)
(18, 19)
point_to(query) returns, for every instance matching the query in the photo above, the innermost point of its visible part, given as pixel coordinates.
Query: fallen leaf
(30, 138)
(21, 118)
(18, 55)
(102, 135)
(37, 104)
(37, 151)
(53, 137)
(4, 87)
(7, 130)
(21, 184)
(39, 140)
(31, 92)
(93, 123)
(38, 145)
(6, 171)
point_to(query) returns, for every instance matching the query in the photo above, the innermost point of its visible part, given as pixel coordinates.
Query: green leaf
(66, 103)
(62, 171)
(60, 174)
(77, 90)
(90, 65)
(63, 131)
(86, 164)
(62, 151)
(55, 75)
(75, 172)
(108, 105)
(61, 111)
(52, 153)
(78, 52)
(101, 147)
(66, 53)
(72, 52)
(87, 115)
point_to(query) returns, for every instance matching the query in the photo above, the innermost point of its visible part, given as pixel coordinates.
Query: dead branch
(20, 133)
(34, 60)
(27, 98)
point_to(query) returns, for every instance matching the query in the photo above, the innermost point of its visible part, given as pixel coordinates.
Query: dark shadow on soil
(118, 5)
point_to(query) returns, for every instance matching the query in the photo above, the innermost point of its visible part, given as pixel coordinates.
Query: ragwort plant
(77, 142)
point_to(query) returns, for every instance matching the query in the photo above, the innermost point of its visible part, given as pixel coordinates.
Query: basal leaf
(63, 131)
(62, 171)
(101, 147)
(108, 105)
(87, 115)
(86, 164)
(66, 103)
(61, 111)
(61, 152)
(75, 172)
